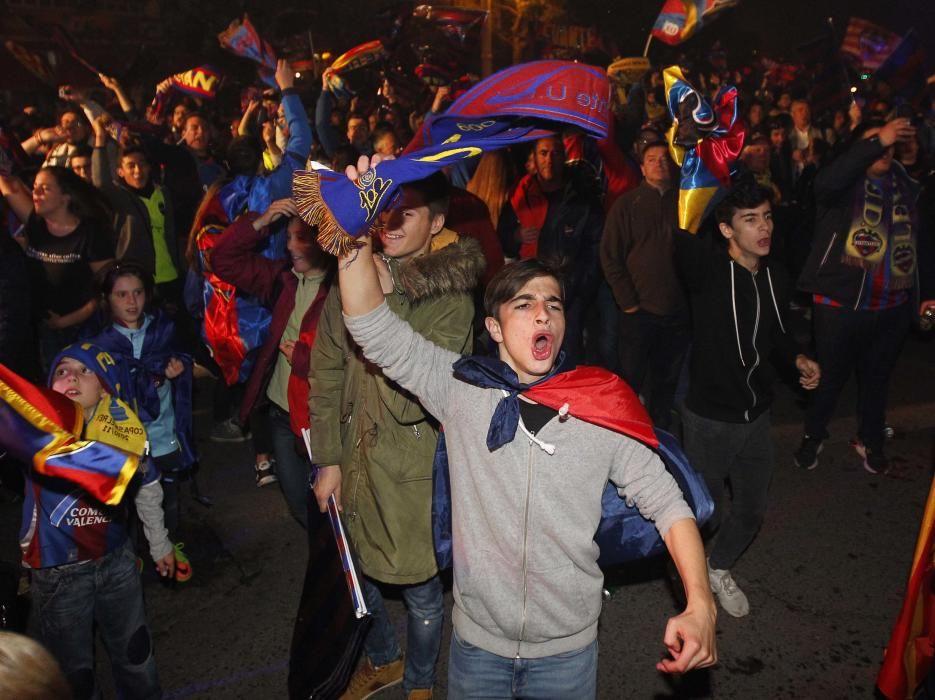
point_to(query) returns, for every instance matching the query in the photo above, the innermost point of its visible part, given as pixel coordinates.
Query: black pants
(652, 349)
(867, 342)
(739, 453)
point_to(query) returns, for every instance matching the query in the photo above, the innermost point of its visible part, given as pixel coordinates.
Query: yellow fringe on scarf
(306, 191)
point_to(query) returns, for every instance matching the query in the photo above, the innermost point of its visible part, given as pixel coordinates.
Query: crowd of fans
(168, 239)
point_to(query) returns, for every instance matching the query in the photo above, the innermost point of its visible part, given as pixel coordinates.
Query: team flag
(43, 428)
(868, 44)
(34, 62)
(909, 654)
(242, 39)
(705, 141)
(201, 81)
(519, 104)
(681, 19)
(904, 69)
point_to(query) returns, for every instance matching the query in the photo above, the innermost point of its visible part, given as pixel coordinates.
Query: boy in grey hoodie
(527, 588)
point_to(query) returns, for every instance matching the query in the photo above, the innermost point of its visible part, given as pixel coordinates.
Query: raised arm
(17, 196)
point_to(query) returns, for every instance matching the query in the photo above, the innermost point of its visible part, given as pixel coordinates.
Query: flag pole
(648, 40)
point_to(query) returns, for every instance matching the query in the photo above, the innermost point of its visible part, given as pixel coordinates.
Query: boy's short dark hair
(82, 150)
(746, 194)
(129, 150)
(511, 278)
(434, 191)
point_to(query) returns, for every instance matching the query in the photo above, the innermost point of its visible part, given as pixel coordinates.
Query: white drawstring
(733, 301)
(772, 293)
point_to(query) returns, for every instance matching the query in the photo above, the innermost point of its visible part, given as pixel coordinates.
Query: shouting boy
(525, 506)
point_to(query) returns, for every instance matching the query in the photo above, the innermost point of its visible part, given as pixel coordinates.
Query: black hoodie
(738, 327)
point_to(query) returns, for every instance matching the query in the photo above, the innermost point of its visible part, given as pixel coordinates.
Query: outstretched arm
(361, 292)
(689, 637)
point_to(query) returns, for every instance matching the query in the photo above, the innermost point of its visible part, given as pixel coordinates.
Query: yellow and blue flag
(705, 141)
(43, 428)
(680, 19)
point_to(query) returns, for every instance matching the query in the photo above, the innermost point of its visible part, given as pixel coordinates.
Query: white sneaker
(732, 599)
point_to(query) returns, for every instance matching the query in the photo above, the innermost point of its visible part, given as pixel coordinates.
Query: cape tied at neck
(590, 394)
(523, 103)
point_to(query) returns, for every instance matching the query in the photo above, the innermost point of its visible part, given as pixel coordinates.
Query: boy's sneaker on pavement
(227, 431)
(265, 475)
(183, 568)
(875, 461)
(806, 456)
(732, 599)
(371, 679)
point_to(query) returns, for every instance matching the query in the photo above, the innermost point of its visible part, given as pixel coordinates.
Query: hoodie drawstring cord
(733, 301)
(769, 279)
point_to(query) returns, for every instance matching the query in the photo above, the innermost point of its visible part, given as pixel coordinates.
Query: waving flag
(34, 62)
(43, 428)
(242, 39)
(680, 19)
(360, 57)
(909, 653)
(904, 70)
(519, 104)
(705, 142)
(456, 22)
(868, 44)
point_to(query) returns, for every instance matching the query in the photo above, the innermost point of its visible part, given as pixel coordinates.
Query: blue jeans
(292, 469)
(475, 673)
(69, 600)
(425, 614)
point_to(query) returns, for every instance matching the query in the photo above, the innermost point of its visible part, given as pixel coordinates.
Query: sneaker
(420, 694)
(371, 679)
(265, 474)
(227, 431)
(732, 599)
(183, 568)
(806, 456)
(875, 462)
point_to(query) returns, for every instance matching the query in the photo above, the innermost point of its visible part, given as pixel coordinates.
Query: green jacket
(378, 433)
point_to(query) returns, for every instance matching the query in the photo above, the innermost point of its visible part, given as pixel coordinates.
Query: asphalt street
(825, 576)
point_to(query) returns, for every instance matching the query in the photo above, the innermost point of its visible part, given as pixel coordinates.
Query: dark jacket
(131, 218)
(18, 342)
(836, 187)
(738, 325)
(235, 260)
(570, 237)
(636, 251)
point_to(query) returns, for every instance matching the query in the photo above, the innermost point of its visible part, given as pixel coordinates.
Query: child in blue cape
(159, 386)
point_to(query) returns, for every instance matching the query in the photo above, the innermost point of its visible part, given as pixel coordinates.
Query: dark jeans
(169, 467)
(868, 342)
(652, 350)
(292, 469)
(71, 600)
(425, 611)
(742, 454)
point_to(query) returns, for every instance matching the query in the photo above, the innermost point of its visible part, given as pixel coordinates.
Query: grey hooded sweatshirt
(526, 579)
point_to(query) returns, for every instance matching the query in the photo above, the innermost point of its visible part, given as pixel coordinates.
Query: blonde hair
(28, 671)
(493, 181)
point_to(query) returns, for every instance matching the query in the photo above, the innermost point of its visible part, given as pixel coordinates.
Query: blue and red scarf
(523, 103)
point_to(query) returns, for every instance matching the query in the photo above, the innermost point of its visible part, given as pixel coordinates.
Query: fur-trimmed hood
(455, 268)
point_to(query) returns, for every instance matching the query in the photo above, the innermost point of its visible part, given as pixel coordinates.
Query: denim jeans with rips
(69, 600)
(475, 673)
(425, 609)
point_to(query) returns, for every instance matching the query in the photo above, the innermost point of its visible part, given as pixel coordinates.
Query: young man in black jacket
(737, 303)
(868, 273)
